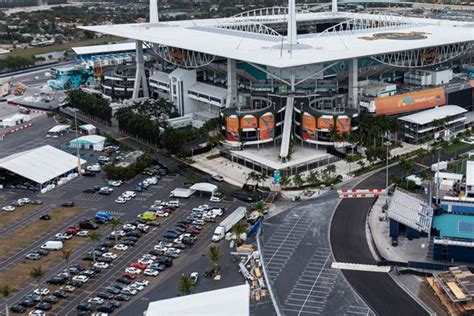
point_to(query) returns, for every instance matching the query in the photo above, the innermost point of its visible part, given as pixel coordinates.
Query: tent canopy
(230, 301)
(40, 164)
(204, 187)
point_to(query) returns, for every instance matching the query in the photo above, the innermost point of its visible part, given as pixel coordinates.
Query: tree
(258, 206)
(37, 274)
(6, 291)
(66, 254)
(238, 229)
(298, 180)
(313, 178)
(114, 222)
(406, 167)
(185, 285)
(173, 168)
(215, 257)
(284, 181)
(94, 238)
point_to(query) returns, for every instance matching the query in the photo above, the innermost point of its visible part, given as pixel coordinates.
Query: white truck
(228, 223)
(53, 245)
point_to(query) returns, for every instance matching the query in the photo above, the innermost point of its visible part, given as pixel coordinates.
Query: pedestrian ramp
(286, 137)
(360, 267)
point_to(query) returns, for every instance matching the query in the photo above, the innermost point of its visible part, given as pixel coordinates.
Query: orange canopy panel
(411, 101)
(308, 126)
(248, 121)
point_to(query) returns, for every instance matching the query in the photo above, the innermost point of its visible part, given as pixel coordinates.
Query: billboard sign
(232, 128)
(411, 101)
(325, 122)
(343, 124)
(267, 125)
(308, 126)
(248, 121)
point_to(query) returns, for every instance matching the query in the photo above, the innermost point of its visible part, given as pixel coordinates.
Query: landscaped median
(6, 218)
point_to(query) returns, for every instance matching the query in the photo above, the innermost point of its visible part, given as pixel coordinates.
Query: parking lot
(89, 203)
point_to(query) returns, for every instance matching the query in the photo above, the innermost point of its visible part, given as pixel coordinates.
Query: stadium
(285, 75)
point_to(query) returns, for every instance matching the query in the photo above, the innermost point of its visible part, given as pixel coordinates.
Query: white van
(53, 245)
(174, 203)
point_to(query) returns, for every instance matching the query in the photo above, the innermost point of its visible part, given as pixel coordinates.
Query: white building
(14, 120)
(428, 77)
(373, 88)
(470, 178)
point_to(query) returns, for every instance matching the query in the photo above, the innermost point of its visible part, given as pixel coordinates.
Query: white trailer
(182, 193)
(228, 223)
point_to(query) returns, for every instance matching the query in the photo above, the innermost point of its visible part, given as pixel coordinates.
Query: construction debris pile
(250, 266)
(455, 289)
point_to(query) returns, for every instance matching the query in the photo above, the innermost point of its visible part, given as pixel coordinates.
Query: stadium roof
(410, 211)
(428, 116)
(104, 49)
(40, 164)
(230, 301)
(208, 36)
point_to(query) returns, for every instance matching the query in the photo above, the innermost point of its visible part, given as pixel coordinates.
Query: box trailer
(182, 193)
(228, 223)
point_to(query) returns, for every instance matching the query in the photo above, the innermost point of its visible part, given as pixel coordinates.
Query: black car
(129, 243)
(89, 273)
(78, 266)
(85, 307)
(60, 294)
(89, 190)
(44, 306)
(88, 173)
(167, 261)
(179, 229)
(179, 245)
(135, 233)
(119, 286)
(100, 221)
(105, 192)
(106, 308)
(28, 303)
(88, 258)
(123, 280)
(113, 290)
(76, 283)
(36, 202)
(122, 297)
(156, 266)
(51, 299)
(68, 204)
(135, 239)
(155, 252)
(106, 244)
(42, 252)
(115, 303)
(87, 224)
(45, 217)
(105, 295)
(105, 259)
(170, 234)
(56, 280)
(17, 308)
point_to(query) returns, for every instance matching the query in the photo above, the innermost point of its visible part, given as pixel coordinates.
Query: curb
(19, 128)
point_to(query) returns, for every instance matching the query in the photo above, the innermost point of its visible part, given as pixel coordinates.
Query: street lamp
(386, 143)
(77, 147)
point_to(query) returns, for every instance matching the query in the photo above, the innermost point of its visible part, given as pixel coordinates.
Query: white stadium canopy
(230, 301)
(40, 164)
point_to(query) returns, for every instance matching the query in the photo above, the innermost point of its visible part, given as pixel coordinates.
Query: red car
(129, 276)
(168, 210)
(192, 230)
(72, 230)
(139, 265)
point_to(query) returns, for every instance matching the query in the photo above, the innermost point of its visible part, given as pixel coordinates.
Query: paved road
(349, 244)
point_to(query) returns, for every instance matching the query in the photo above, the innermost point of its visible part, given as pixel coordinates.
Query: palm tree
(284, 181)
(252, 176)
(298, 180)
(215, 256)
(238, 229)
(37, 274)
(259, 206)
(66, 254)
(114, 222)
(5, 291)
(185, 285)
(313, 178)
(95, 238)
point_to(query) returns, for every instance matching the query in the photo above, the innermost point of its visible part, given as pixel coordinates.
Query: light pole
(386, 143)
(77, 147)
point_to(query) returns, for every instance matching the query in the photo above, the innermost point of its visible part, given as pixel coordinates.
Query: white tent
(204, 187)
(230, 301)
(41, 164)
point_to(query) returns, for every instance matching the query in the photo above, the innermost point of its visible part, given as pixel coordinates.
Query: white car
(171, 249)
(80, 278)
(101, 265)
(121, 247)
(152, 180)
(218, 178)
(143, 283)
(143, 226)
(110, 255)
(8, 208)
(145, 261)
(160, 248)
(83, 233)
(160, 213)
(37, 312)
(137, 287)
(215, 199)
(148, 257)
(121, 233)
(24, 200)
(94, 168)
(107, 189)
(194, 277)
(133, 270)
(131, 290)
(62, 236)
(129, 227)
(129, 193)
(151, 272)
(115, 183)
(96, 300)
(42, 291)
(121, 200)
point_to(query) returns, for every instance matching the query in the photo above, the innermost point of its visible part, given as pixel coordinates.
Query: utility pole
(77, 136)
(386, 143)
(437, 178)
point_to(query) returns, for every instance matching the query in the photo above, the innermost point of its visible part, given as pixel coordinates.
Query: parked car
(68, 204)
(33, 256)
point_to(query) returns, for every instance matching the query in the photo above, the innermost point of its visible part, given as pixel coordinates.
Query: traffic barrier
(360, 193)
(16, 129)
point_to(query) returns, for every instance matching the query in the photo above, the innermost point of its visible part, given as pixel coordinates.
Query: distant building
(93, 142)
(428, 77)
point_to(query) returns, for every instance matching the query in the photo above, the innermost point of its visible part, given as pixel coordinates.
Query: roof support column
(334, 6)
(154, 11)
(353, 84)
(231, 83)
(140, 76)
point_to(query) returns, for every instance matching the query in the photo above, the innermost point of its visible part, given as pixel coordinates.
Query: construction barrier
(16, 129)
(359, 193)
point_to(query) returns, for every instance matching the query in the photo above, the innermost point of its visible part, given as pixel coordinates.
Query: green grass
(456, 148)
(48, 49)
